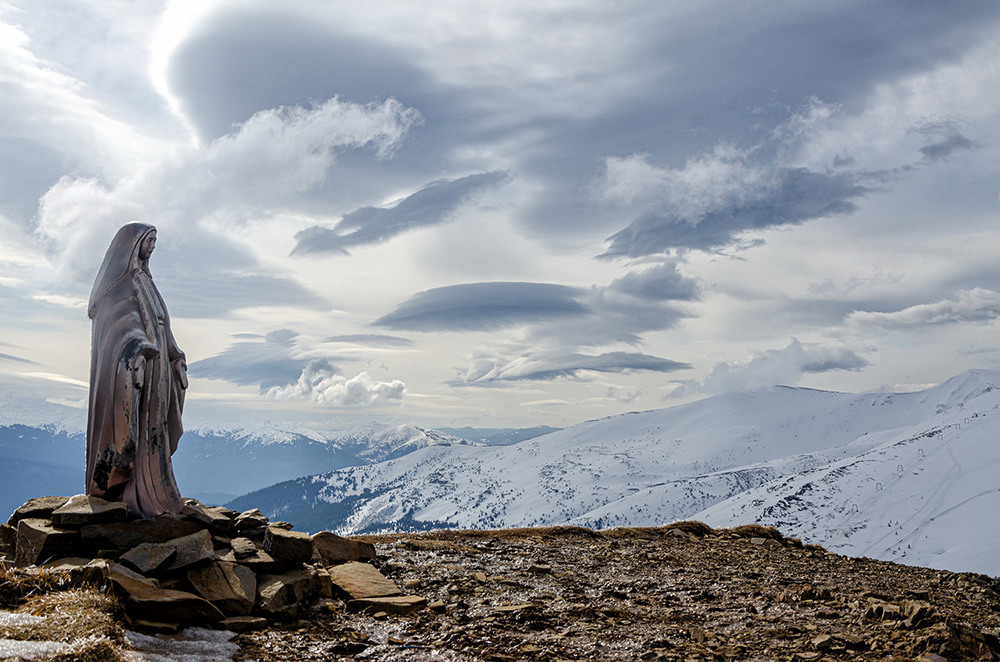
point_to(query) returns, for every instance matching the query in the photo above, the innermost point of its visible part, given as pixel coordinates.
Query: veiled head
(124, 254)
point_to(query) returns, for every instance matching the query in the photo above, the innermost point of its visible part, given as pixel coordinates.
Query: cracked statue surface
(138, 376)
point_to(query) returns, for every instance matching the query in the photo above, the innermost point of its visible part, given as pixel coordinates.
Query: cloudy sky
(505, 213)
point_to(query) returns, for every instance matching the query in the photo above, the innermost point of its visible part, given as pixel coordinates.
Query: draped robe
(137, 382)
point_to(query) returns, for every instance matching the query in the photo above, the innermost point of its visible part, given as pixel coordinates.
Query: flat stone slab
(360, 580)
(396, 604)
(331, 549)
(82, 510)
(126, 535)
(149, 557)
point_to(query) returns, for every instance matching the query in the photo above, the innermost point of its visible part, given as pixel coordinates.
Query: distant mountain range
(907, 476)
(214, 465)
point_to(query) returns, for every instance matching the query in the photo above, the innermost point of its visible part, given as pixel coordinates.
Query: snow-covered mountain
(907, 476)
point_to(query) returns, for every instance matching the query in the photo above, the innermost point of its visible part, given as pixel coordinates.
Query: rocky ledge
(206, 566)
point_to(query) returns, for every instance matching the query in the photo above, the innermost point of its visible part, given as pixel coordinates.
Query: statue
(138, 375)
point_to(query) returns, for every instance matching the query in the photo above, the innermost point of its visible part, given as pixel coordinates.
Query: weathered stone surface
(38, 541)
(396, 604)
(243, 547)
(37, 508)
(360, 580)
(285, 545)
(242, 623)
(126, 535)
(331, 549)
(229, 586)
(149, 557)
(285, 594)
(216, 521)
(82, 510)
(8, 539)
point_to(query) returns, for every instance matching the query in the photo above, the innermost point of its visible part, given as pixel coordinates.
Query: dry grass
(16, 586)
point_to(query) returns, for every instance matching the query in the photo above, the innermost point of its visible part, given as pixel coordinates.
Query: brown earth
(682, 592)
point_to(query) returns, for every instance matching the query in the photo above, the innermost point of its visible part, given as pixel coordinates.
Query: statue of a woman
(137, 379)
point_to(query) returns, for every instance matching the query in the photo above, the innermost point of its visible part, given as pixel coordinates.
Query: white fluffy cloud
(323, 384)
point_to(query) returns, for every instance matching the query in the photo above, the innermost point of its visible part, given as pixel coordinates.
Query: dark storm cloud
(952, 143)
(660, 283)
(372, 340)
(484, 307)
(431, 205)
(793, 196)
(563, 366)
(266, 363)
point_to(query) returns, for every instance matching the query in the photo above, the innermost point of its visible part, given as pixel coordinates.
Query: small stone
(480, 577)
(242, 623)
(287, 526)
(396, 604)
(540, 569)
(411, 584)
(250, 519)
(438, 606)
(82, 510)
(360, 580)
(284, 545)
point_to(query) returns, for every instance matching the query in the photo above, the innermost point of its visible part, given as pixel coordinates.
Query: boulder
(285, 545)
(285, 594)
(126, 535)
(37, 508)
(229, 586)
(82, 510)
(360, 580)
(38, 541)
(331, 549)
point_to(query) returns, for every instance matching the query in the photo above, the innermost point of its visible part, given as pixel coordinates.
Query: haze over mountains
(910, 477)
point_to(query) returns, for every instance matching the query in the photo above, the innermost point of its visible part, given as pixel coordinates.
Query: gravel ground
(683, 592)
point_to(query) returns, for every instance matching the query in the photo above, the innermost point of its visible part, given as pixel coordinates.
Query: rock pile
(204, 566)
